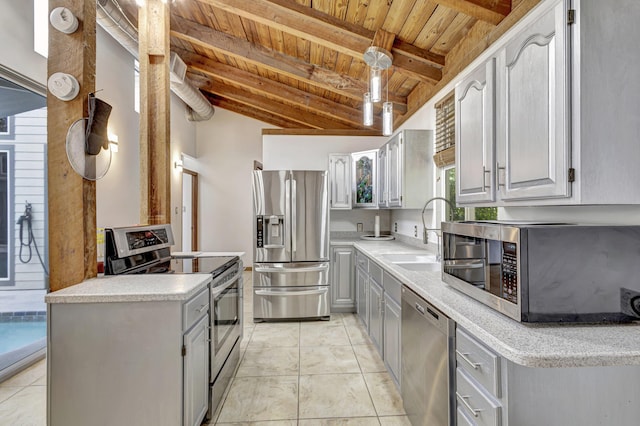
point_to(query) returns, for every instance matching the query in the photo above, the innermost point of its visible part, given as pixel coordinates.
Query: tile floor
(320, 373)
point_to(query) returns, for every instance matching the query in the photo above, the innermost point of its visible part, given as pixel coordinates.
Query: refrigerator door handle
(291, 293)
(319, 268)
(294, 218)
(287, 214)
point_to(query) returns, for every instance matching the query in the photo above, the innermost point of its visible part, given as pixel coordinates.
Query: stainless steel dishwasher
(427, 342)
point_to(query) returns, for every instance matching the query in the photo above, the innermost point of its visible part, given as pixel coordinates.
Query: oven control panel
(509, 272)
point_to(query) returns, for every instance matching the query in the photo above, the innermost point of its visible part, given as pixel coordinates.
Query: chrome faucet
(425, 232)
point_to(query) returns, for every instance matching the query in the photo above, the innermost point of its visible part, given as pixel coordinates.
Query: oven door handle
(320, 268)
(291, 293)
(216, 291)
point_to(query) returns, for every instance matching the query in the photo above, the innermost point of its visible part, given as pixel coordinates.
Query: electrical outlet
(359, 227)
(415, 231)
(395, 226)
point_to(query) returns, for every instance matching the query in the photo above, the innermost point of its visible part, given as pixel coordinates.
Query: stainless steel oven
(546, 272)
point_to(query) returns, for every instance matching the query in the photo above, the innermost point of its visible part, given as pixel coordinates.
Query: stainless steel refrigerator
(290, 245)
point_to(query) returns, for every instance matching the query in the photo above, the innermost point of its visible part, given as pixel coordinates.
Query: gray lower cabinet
(128, 363)
(491, 390)
(343, 289)
(378, 301)
(376, 319)
(392, 334)
(362, 288)
(196, 384)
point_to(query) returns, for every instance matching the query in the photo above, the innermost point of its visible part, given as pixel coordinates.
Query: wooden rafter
(491, 11)
(256, 114)
(208, 38)
(331, 32)
(274, 89)
(247, 97)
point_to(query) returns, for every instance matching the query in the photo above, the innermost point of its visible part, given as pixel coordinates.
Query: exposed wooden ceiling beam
(254, 113)
(491, 11)
(320, 132)
(209, 38)
(282, 110)
(329, 31)
(274, 89)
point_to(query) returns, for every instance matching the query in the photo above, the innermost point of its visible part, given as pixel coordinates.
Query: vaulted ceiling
(299, 63)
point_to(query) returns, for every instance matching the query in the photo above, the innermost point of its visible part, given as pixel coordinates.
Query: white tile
(25, 408)
(384, 393)
(261, 398)
(348, 421)
(323, 334)
(334, 395)
(327, 360)
(277, 361)
(369, 359)
(27, 376)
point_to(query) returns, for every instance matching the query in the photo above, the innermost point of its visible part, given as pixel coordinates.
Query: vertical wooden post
(155, 188)
(72, 199)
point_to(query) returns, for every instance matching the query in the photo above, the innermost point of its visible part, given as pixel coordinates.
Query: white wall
(118, 193)
(16, 33)
(227, 146)
(289, 152)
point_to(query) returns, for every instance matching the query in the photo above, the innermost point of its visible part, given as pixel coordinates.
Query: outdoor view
(23, 277)
(460, 213)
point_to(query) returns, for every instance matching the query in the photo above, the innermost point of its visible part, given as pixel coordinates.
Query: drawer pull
(202, 308)
(463, 399)
(475, 365)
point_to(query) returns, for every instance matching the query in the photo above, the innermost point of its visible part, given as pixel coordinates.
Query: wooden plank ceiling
(299, 63)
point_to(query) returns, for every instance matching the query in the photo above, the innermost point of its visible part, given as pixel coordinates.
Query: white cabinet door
(343, 291)
(375, 314)
(196, 373)
(383, 179)
(533, 116)
(340, 178)
(365, 180)
(362, 287)
(475, 135)
(392, 330)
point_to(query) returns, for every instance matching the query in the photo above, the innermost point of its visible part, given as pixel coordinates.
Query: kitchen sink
(410, 258)
(413, 261)
(411, 266)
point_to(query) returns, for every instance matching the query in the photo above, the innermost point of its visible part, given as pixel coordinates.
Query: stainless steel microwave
(546, 272)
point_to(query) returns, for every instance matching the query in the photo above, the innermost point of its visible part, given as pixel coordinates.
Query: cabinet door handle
(463, 399)
(202, 308)
(501, 169)
(484, 174)
(475, 365)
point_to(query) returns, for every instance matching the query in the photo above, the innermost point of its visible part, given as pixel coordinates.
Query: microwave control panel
(509, 272)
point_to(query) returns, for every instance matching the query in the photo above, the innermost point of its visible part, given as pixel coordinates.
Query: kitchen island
(506, 372)
(129, 349)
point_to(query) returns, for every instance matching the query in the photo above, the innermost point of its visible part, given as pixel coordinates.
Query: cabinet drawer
(195, 308)
(392, 287)
(375, 272)
(473, 401)
(482, 364)
(362, 262)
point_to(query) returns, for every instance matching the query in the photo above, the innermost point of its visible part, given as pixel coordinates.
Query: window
(4, 125)
(5, 206)
(463, 213)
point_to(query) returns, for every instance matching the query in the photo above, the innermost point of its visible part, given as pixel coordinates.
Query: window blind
(445, 144)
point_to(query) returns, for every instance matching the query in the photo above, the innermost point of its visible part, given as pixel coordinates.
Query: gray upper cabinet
(533, 110)
(383, 178)
(564, 133)
(340, 181)
(475, 135)
(409, 169)
(364, 172)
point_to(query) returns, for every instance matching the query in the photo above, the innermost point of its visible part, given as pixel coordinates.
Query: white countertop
(132, 288)
(525, 344)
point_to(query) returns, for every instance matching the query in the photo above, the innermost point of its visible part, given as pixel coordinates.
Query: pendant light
(378, 60)
(367, 110)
